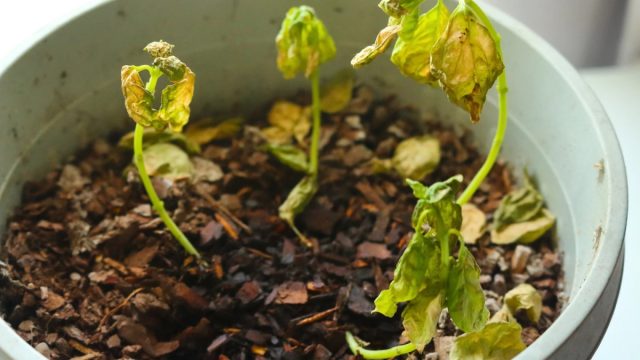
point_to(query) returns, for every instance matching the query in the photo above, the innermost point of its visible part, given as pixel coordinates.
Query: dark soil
(88, 271)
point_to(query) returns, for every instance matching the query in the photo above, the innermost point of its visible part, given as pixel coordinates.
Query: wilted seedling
(173, 114)
(428, 278)
(303, 44)
(459, 52)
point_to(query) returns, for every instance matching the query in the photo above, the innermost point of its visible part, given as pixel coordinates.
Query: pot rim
(610, 245)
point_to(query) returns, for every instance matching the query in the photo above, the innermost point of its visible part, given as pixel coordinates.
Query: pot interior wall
(64, 92)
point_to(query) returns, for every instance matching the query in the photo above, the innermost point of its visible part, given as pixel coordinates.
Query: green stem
(389, 353)
(315, 132)
(157, 204)
(138, 160)
(502, 112)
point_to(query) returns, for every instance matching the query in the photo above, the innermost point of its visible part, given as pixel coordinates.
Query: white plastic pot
(63, 90)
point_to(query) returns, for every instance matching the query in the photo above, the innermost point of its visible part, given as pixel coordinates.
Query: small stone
(550, 261)
(431, 356)
(499, 284)
(353, 121)
(520, 258)
(27, 326)
(74, 276)
(519, 278)
(71, 179)
(536, 267)
(492, 305)
(443, 345)
(43, 349)
(368, 250)
(485, 279)
(113, 341)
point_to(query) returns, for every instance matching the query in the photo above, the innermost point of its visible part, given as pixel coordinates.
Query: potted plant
(192, 293)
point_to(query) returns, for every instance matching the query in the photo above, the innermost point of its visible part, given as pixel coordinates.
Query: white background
(587, 32)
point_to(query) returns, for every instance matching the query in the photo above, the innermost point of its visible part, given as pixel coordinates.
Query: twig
(115, 309)
(223, 209)
(317, 316)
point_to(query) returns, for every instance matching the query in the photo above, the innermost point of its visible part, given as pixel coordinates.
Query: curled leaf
(336, 94)
(466, 61)
(168, 161)
(416, 157)
(420, 317)
(204, 132)
(518, 206)
(175, 99)
(473, 223)
(421, 257)
(137, 100)
(383, 41)
(496, 341)
(524, 232)
(524, 297)
(465, 298)
(154, 137)
(412, 51)
(288, 120)
(445, 214)
(303, 43)
(295, 203)
(290, 156)
(398, 8)
(521, 216)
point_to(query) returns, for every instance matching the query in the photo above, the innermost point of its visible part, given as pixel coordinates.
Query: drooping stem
(389, 353)
(315, 130)
(502, 112)
(138, 160)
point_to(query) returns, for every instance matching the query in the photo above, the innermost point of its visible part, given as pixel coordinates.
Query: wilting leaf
(295, 203)
(412, 51)
(303, 43)
(497, 341)
(204, 132)
(524, 297)
(175, 99)
(421, 257)
(168, 161)
(420, 317)
(290, 156)
(398, 8)
(206, 170)
(521, 216)
(288, 120)
(152, 136)
(416, 157)
(445, 213)
(473, 223)
(383, 41)
(137, 100)
(524, 232)
(466, 61)
(465, 299)
(336, 94)
(519, 205)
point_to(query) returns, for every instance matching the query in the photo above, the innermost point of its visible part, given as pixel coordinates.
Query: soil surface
(88, 271)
